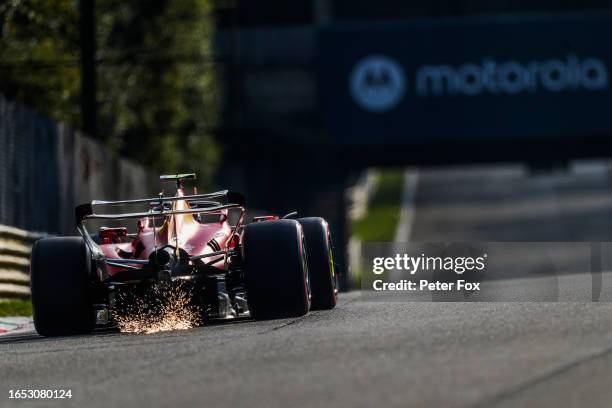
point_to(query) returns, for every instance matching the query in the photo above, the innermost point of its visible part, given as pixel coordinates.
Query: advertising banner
(502, 78)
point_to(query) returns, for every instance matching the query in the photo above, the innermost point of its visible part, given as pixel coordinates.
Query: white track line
(404, 227)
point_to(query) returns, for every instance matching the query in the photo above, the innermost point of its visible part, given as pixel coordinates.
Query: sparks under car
(270, 268)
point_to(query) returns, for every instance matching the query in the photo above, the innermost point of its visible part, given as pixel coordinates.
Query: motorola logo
(377, 83)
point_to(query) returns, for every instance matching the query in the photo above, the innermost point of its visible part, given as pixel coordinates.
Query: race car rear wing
(233, 199)
(86, 211)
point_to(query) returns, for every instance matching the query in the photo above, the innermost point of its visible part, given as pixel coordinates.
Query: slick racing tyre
(320, 262)
(276, 270)
(61, 287)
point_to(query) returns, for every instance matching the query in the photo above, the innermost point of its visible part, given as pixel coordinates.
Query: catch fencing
(46, 169)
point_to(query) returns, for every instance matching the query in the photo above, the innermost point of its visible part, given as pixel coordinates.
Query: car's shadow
(33, 337)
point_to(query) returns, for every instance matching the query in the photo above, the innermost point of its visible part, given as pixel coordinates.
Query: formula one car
(273, 267)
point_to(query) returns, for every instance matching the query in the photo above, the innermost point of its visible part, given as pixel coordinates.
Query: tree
(157, 86)
(157, 92)
(39, 56)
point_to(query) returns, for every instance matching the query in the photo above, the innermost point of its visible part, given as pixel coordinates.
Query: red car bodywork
(193, 236)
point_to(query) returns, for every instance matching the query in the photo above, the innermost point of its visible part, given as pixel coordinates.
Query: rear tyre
(61, 287)
(320, 262)
(276, 270)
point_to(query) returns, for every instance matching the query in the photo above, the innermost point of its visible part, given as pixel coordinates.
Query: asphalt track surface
(365, 353)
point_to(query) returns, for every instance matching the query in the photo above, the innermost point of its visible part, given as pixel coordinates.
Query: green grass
(380, 221)
(15, 308)
(382, 217)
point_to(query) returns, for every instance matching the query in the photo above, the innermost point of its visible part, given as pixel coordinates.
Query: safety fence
(46, 169)
(15, 247)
